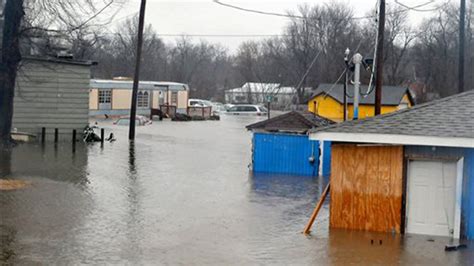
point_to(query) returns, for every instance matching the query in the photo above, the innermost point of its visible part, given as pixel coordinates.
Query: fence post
(56, 135)
(43, 134)
(73, 140)
(102, 133)
(74, 136)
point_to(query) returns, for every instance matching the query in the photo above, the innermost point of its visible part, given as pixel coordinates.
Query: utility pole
(357, 61)
(379, 61)
(346, 61)
(462, 35)
(136, 79)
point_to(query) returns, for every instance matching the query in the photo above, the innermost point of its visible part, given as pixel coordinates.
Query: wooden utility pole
(462, 36)
(136, 79)
(10, 57)
(379, 61)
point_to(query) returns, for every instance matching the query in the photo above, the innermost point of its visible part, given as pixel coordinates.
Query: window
(174, 98)
(105, 96)
(142, 99)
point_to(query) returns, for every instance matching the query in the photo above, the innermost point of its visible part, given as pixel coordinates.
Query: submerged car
(247, 109)
(140, 120)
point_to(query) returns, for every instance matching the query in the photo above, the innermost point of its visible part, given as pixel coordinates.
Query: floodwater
(181, 194)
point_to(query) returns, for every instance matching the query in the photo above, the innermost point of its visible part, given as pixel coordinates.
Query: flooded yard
(180, 194)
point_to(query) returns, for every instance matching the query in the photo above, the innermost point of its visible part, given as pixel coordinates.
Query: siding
(468, 195)
(284, 154)
(51, 95)
(366, 187)
(327, 158)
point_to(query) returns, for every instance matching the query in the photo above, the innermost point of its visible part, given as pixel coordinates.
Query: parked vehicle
(247, 109)
(199, 103)
(140, 120)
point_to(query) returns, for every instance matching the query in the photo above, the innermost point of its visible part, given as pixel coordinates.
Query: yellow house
(113, 97)
(328, 101)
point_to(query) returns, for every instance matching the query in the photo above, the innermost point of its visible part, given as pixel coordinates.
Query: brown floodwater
(180, 194)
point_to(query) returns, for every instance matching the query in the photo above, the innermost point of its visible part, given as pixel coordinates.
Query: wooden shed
(52, 93)
(411, 171)
(280, 145)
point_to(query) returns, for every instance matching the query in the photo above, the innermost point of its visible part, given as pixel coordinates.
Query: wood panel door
(431, 194)
(366, 187)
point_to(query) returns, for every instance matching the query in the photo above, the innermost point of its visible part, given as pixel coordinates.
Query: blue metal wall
(327, 158)
(284, 154)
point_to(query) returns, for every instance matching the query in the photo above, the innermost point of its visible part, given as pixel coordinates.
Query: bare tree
(38, 18)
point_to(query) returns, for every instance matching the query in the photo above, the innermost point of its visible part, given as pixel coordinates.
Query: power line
(261, 12)
(416, 8)
(406, 9)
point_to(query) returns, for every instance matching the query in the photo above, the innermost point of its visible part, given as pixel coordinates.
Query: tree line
(313, 43)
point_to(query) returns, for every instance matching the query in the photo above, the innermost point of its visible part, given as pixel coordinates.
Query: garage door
(431, 194)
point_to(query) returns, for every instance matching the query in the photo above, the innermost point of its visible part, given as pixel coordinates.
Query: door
(105, 99)
(431, 194)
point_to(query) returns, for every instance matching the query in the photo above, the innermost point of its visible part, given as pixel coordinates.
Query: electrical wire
(416, 8)
(261, 12)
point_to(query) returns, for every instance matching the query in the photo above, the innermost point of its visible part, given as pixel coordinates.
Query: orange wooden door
(366, 187)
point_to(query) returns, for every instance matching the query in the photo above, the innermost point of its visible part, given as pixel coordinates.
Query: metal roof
(143, 85)
(59, 60)
(391, 95)
(448, 118)
(293, 121)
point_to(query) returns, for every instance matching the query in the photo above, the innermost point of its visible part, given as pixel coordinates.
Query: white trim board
(457, 207)
(393, 139)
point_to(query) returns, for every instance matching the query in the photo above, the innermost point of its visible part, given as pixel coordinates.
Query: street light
(346, 61)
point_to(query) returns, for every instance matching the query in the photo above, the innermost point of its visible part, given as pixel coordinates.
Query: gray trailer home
(52, 93)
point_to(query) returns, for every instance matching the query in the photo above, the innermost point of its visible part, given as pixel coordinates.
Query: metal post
(73, 140)
(346, 77)
(74, 136)
(357, 61)
(43, 134)
(102, 134)
(133, 111)
(462, 35)
(268, 111)
(56, 135)
(379, 63)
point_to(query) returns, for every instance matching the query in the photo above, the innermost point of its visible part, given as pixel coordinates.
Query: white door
(431, 194)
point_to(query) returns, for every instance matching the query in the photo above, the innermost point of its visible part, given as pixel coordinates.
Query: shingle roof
(450, 117)
(291, 122)
(391, 95)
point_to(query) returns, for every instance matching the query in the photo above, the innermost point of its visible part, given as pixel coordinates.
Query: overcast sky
(204, 17)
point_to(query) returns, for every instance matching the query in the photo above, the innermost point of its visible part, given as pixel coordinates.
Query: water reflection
(7, 238)
(179, 194)
(5, 163)
(134, 233)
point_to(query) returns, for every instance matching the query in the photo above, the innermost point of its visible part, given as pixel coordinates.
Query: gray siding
(51, 95)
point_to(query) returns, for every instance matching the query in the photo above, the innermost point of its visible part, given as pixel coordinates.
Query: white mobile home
(261, 93)
(113, 97)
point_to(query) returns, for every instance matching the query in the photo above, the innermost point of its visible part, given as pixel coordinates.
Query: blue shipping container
(287, 154)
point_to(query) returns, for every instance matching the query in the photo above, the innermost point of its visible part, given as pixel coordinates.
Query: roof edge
(393, 139)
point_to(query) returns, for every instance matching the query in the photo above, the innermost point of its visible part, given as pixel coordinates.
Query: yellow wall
(93, 99)
(183, 99)
(155, 102)
(329, 108)
(121, 98)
